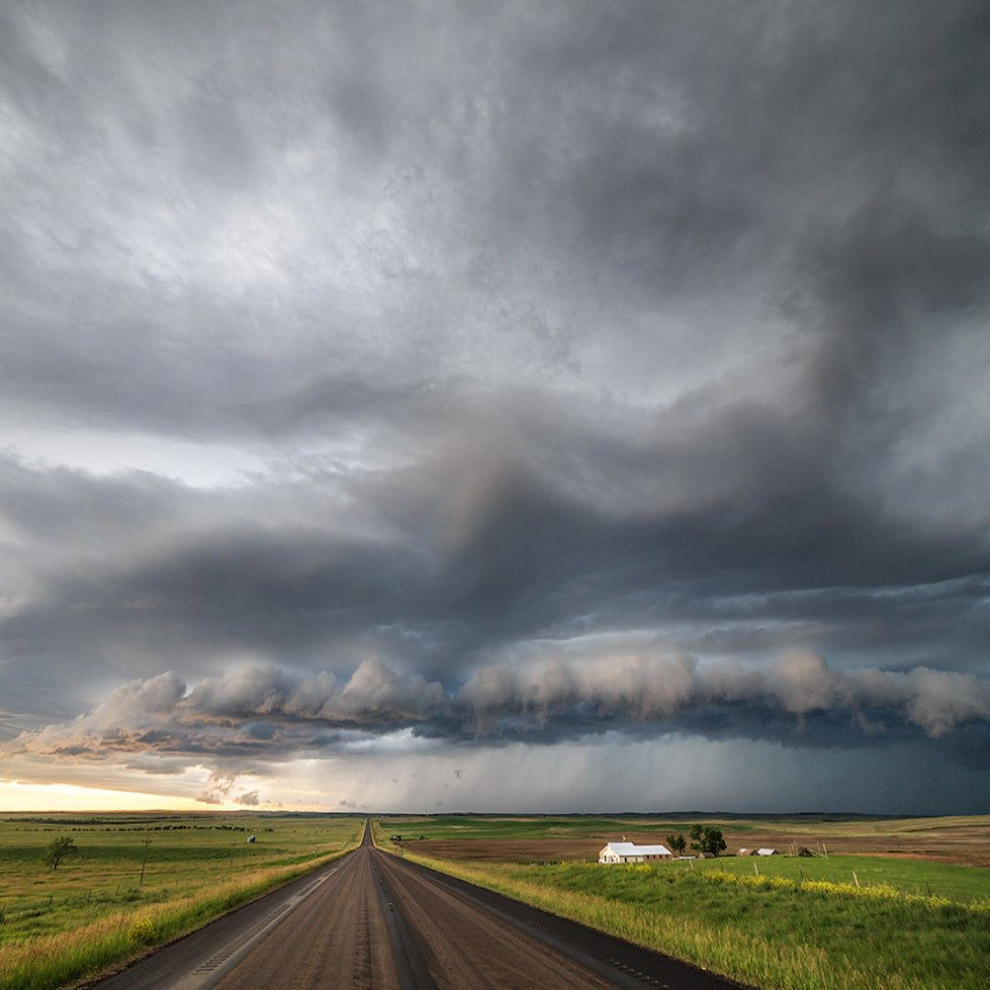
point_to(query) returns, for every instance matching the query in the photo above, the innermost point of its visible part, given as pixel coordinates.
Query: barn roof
(631, 849)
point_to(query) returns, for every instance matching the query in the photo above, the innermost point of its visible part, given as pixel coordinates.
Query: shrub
(142, 931)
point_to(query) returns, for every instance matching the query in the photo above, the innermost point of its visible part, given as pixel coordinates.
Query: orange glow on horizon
(18, 796)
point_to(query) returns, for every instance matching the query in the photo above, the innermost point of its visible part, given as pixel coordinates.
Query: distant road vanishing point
(371, 920)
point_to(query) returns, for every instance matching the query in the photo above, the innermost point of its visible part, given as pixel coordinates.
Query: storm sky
(501, 406)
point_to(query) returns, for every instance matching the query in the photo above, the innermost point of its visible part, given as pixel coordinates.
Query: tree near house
(677, 843)
(697, 833)
(707, 840)
(58, 849)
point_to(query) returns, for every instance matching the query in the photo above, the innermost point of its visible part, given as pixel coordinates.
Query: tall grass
(129, 865)
(769, 932)
(49, 961)
(881, 892)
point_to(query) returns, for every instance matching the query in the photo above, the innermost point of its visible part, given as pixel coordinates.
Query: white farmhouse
(629, 852)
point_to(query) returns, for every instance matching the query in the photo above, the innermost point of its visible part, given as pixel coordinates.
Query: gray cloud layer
(263, 712)
(552, 335)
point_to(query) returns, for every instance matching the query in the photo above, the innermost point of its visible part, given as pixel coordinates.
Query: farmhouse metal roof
(631, 849)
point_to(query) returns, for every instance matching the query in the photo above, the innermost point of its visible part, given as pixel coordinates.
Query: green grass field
(97, 908)
(776, 922)
(956, 883)
(494, 827)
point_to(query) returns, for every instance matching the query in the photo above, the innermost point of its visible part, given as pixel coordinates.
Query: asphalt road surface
(371, 920)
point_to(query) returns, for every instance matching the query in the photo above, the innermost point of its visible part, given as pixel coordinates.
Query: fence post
(144, 861)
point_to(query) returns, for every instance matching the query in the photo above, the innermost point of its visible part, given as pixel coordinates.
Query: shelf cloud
(261, 712)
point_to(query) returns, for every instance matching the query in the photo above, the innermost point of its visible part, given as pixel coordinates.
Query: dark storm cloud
(800, 700)
(655, 328)
(442, 565)
(655, 152)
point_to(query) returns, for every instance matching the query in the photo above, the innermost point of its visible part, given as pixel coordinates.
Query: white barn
(629, 852)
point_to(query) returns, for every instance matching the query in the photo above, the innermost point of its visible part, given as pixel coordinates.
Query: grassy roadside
(116, 934)
(765, 931)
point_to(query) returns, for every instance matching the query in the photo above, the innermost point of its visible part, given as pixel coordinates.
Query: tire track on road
(338, 939)
(198, 960)
(598, 957)
(465, 945)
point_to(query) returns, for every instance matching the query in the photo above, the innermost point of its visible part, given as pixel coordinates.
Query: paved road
(374, 921)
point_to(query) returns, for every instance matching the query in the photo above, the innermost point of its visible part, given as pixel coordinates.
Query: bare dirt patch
(966, 844)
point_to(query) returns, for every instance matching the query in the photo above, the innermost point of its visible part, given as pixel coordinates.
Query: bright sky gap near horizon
(495, 406)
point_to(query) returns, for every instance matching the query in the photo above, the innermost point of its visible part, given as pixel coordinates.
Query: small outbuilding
(765, 852)
(629, 852)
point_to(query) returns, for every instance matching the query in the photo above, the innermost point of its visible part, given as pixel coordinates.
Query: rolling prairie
(897, 904)
(138, 880)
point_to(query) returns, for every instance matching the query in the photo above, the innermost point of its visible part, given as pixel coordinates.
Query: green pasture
(136, 860)
(957, 883)
(861, 941)
(852, 921)
(496, 827)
